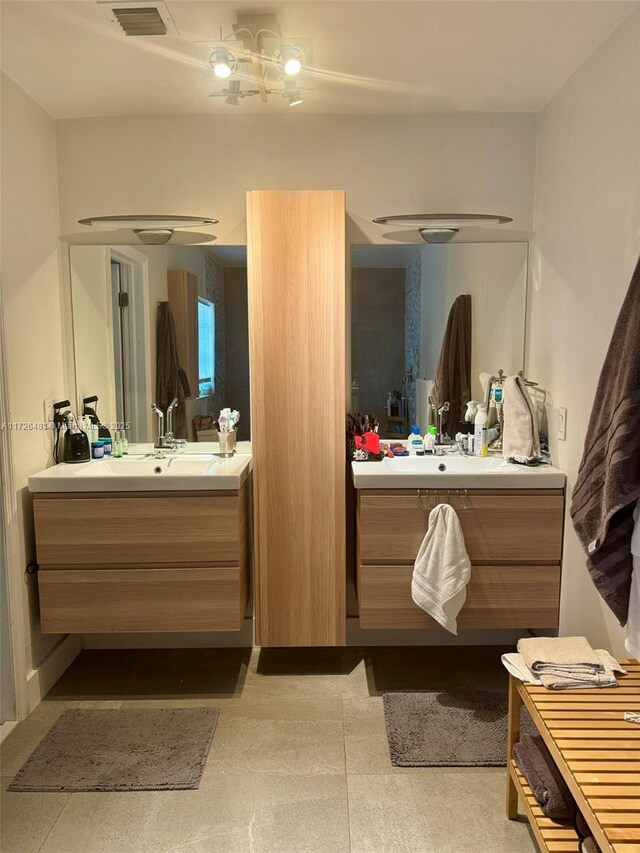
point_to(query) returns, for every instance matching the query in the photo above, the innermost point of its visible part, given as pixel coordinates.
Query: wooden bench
(598, 754)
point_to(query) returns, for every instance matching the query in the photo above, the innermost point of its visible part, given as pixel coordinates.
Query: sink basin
(144, 473)
(453, 471)
(147, 467)
(442, 464)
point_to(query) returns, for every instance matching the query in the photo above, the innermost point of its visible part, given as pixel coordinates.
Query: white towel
(442, 568)
(521, 441)
(515, 665)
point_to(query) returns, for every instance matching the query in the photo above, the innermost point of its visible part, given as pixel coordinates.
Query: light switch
(562, 424)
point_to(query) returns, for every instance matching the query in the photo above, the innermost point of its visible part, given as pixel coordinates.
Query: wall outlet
(47, 410)
(562, 424)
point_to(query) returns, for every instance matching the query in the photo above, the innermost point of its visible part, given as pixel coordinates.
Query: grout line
(54, 824)
(346, 775)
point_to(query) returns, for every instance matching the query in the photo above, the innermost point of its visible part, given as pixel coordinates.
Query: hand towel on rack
(171, 380)
(453, 374)
(521, 441)
(608, 482)
(565, 663)
(442, 568)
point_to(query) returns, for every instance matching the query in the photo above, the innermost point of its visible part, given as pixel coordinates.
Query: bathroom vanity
(512, 520)
(143, 544)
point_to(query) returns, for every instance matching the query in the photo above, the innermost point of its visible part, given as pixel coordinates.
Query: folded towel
(565, 663)
(545, 780)
(515, 665)
(442, 568)
(521, 441)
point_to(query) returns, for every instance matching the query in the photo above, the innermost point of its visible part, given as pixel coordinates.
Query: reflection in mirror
(402, 299)
(126, 352)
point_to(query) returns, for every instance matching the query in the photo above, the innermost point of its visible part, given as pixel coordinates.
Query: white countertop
(196, 468)
(453, 471)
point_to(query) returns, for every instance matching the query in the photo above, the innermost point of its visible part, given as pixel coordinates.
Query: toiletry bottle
(117, 445)
(480, 425)
(415, 441)
(430, 439)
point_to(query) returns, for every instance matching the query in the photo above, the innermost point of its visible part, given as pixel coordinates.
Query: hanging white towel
(442, 568)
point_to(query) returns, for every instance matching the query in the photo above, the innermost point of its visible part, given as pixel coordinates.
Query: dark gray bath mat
(461, 728)
(143, 749)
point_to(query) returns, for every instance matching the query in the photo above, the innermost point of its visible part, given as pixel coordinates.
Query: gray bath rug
(143, 749)
(460, 728)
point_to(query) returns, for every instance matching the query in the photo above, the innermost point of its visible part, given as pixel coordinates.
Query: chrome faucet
(161, 441)
(169, 433)
(443, 408)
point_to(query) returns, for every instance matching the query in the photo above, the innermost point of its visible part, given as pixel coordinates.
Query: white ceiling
(369, 56)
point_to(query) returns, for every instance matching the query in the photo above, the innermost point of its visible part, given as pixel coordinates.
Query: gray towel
(608, 482)
(171, 380)
(545, 780)
(453, 375)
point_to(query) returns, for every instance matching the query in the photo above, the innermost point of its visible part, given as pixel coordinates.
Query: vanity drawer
(125, 531)
(497, 527)
(113, 600)
(497, 597)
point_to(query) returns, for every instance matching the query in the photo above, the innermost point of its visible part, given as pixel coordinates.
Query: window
(206, 347)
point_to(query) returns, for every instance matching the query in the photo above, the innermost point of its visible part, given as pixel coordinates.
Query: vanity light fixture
(151, 229)
(233, 93)
(442, 227)
(222, 62)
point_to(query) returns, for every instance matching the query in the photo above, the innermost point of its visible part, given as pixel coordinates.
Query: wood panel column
(297, 338)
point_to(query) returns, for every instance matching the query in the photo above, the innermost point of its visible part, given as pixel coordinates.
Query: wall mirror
(122, 344)
(402, 297)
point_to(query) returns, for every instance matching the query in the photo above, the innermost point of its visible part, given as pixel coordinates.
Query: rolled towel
(545, 780)
(565, 663)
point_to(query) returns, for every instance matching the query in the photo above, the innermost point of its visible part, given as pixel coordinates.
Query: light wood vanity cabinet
(142, 562)
(514, 542)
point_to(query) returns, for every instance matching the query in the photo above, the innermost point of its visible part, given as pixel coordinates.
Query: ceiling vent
(139, 18)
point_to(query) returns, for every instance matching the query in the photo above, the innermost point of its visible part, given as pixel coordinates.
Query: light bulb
(221, 64)
(292, 66)
(221, 69)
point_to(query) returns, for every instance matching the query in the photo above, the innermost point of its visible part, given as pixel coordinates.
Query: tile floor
(299, 762)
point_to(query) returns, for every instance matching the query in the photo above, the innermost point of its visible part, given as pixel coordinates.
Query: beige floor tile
(24, 738)
(253, 744)
(295, 708)
(27, 818)
(437, 811)
(365, 737)
(232, 814)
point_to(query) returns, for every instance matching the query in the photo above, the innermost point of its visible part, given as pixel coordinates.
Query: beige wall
(587, 241)
(202, 165)
(494, 274)
(33, 309)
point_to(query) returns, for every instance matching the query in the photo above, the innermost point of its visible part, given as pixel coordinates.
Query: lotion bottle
(480, 430)
(415, 441)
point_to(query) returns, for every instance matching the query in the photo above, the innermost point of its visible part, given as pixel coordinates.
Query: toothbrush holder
(227, 442)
